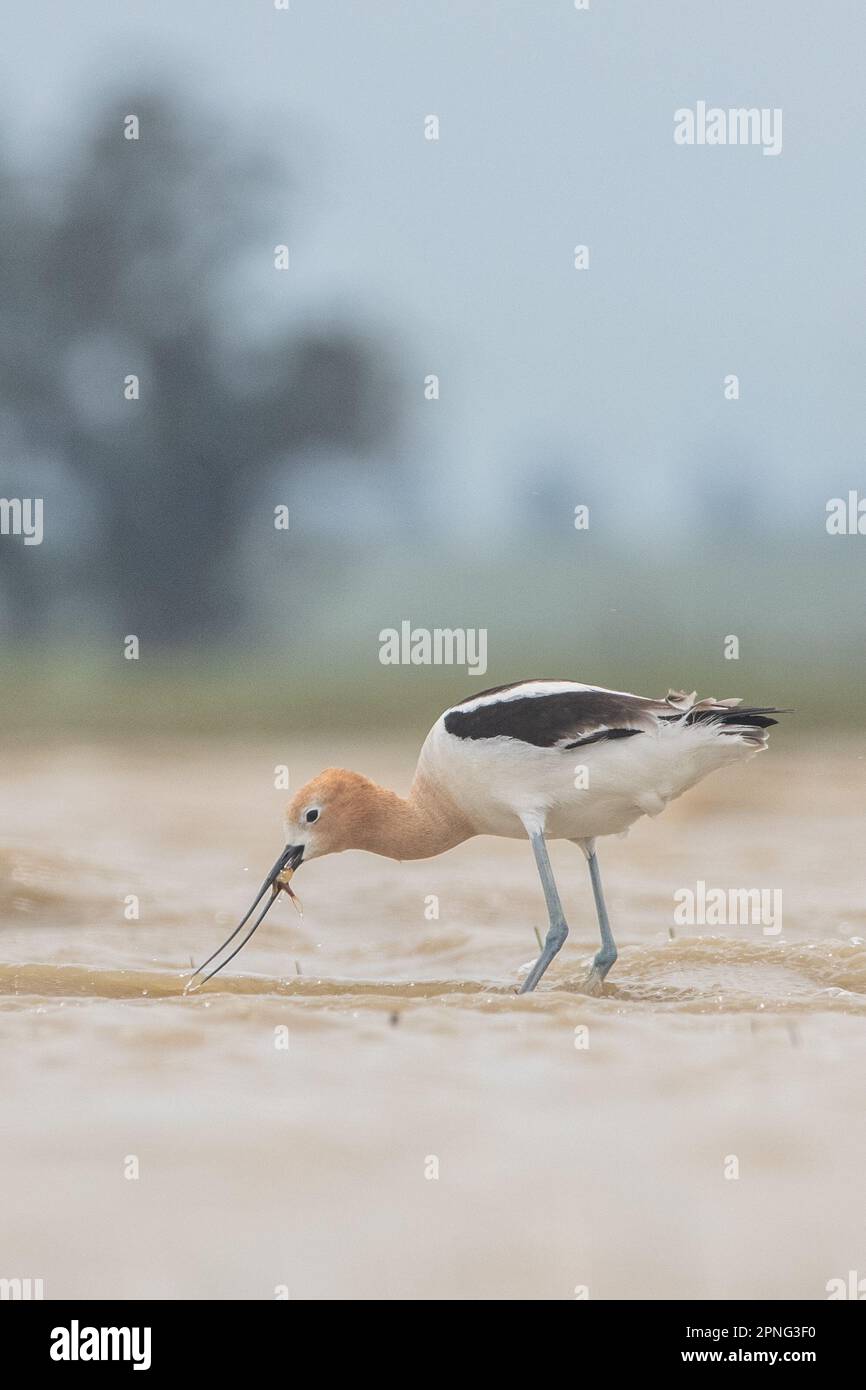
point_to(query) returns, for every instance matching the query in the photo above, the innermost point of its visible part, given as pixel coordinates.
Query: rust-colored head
(333, 812)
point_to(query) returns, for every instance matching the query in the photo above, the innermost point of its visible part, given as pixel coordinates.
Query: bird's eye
(311, 816)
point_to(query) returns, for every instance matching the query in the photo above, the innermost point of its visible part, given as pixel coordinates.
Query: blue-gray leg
(606, 957)
(558, 929)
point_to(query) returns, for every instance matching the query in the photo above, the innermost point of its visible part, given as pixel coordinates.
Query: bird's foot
(598, 971)
(593, 983)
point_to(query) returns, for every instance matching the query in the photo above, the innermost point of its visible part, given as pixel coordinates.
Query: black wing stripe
(547, 720)
(601, 735)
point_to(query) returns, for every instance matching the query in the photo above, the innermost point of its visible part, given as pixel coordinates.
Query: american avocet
(542, 759)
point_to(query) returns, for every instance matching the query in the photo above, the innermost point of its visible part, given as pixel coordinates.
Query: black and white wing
(565, 714)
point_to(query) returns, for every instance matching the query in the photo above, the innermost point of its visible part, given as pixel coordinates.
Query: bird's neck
(424, 823)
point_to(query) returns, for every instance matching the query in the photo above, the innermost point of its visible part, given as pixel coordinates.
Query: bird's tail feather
(741, 716)
(749, 723)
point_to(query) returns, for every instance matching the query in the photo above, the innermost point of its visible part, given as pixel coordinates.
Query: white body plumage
(598, 787)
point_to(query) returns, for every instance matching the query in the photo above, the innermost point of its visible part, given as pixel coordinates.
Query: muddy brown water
(361, 1106)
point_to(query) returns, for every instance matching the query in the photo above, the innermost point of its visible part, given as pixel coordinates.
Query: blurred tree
(120, 268)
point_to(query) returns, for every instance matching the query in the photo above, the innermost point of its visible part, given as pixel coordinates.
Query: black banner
(84, 1338)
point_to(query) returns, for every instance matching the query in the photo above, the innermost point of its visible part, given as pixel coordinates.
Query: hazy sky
(556, 129)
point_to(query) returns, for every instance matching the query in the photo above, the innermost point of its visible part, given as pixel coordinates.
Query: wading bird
(539, 759)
